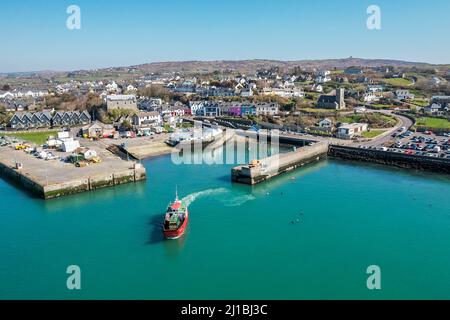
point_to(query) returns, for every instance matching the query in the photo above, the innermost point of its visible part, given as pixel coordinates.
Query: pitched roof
(121, 97)
(327, 99)
(146, 114)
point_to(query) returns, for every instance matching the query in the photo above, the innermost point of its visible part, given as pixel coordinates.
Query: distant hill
(242, 66)
(251, 66)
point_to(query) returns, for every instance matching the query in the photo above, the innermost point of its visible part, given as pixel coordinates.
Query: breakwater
(51, 190)
(265, 169)
(396, 159)
(53, 179)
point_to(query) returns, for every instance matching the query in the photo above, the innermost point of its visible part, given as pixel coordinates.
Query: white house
(196, 106)
(131, 88)
(28, 93)
(317, 88)
(176, 110)
(325, 123)
(404, 95)
(267, 109)
(348, 131)
(323, 76)
(437, 109)
(33, 94)
(284, 92)
(112, 87)
(142, 119)
(247, 92)
(375, 88)
(322, 79)
(6, 95)
(370, 97)
(289, 84)
(324, 73)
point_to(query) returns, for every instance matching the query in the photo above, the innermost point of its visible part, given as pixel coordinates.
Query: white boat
(207, 135)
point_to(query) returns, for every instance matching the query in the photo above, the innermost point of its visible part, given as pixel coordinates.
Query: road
(404, 122)
(385, 137)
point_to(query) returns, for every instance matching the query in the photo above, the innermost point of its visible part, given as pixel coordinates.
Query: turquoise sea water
(241, 242)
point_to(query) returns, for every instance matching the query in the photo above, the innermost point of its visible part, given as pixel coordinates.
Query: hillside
(204, 67)
(251, 66)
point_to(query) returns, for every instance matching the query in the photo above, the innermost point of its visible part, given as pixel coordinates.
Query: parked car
(51, 156)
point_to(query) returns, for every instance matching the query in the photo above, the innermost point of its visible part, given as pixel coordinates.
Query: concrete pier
(273, 166)
(53, 179)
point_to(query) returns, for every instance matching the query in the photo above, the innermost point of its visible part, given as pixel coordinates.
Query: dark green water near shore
(242, 242)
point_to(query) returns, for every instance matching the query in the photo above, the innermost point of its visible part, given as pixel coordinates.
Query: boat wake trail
(237, 201)
(194, 196)
(228, 200)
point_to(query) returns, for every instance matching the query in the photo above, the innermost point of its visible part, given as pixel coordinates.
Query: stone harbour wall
(56, 190)
(396, 159)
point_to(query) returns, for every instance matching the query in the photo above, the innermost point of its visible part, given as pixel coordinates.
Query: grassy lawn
(33, 137)
(347, 120)
(418, 95)
(372, 134)
(419, 102)
(398, 82)
(185, 125)
(312, 96)
(316, 110)
(376, 120)
(381, 106)
(433, 123)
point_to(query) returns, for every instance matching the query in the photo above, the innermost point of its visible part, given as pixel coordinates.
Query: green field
(398, 82)
(433, 123)
(372, 134)
(33, 137)
(381, 106)
(312, 96)
(316, 110)
(419, 95)
(375, 120)
(419, 102)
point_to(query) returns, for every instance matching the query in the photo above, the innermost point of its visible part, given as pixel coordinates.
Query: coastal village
(97, 125)
(224, 159)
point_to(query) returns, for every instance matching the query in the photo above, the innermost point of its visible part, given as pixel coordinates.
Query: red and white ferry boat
(176, 220)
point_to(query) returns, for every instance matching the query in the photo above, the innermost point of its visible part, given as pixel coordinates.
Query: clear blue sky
(121, 33)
